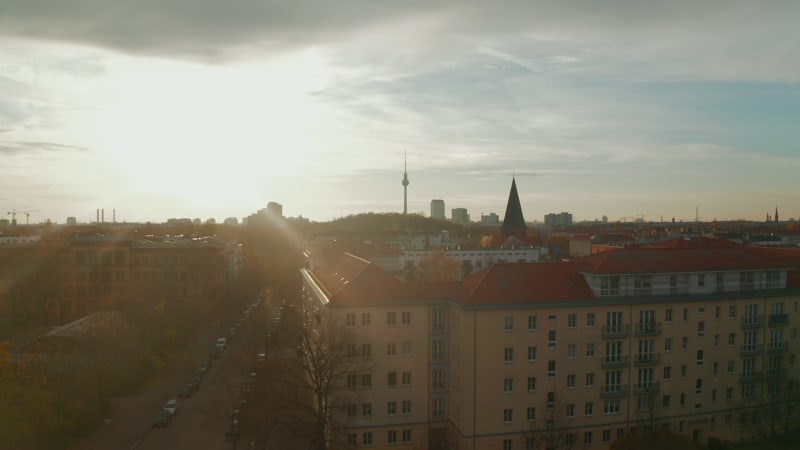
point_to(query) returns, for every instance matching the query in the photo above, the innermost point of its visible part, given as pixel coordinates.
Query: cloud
(11, 148)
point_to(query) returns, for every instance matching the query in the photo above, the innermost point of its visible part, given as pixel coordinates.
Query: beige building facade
(567, 354)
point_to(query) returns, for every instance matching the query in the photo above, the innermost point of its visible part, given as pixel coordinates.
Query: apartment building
(696, 338)
(85, 273)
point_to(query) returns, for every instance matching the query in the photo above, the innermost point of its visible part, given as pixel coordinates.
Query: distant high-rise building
(776, 214)
(72, 221)
(605, 218)
(490, 219)
(405, 186)
(553, 220)
(460, 216)
(437, 209)
(513, 222)
(276, 209)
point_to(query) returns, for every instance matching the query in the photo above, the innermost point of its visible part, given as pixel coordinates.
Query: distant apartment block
(490, 219)
(437, 209)
(690, 337)
(553, 220)
(459, 216)
(275, 209)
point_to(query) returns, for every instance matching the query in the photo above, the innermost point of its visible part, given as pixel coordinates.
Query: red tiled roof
(526, 283)
(656, 260)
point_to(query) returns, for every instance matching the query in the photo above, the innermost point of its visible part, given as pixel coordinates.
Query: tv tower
(405, 183)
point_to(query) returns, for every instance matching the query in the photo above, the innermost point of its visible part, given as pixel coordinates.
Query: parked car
(171, 406)
(187, 390)
(162, 419)
(222, 343)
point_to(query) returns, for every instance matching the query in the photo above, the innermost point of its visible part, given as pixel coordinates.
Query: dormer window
(642, 282)
(772, 279)
(609, 286)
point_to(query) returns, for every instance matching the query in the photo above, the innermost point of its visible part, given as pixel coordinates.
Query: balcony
(614, 362)
(777, 347)
(615, 331)
(647, 359)
(648, 329)
(614, 391)
(750, 377)
(752, 349)
(645, 388)
(775, 374)
(779, 320)
(752, 322)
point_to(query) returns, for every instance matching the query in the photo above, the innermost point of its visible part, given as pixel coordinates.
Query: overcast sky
(202, 108)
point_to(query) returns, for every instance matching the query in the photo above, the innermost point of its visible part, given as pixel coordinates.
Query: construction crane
(13, 213)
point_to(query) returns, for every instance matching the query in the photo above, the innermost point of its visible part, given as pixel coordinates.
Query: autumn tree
(438, 266)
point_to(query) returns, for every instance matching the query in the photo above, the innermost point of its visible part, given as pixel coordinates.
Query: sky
(208, 109)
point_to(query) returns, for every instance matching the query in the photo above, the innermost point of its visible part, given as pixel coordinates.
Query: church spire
(513, 222)
(405, 182)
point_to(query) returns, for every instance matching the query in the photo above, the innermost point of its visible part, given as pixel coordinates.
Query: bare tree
(548, 433)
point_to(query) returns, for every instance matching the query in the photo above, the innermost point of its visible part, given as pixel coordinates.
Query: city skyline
(615, 109)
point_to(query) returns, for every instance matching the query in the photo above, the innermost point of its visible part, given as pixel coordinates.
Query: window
(352, 380)
(611, 407)
(366, 409)
(391, 437)
(391, 408)
(701, 328)
(391, 318)
(437, 353)
(508, 444)
(570, 410)
(530, 443)
(716, 340)
(590, 319)
(589, 379)
(588, 408)
(406, 318)
(713, 395)
(569, 440)
(366, 380)
(508, 354)
(551, 339)
(684, 343)
(731, 339)
(683, 399)
(551, 369)
(642, 282)
(406, 407)
(685, 314)
(665, 400)
(572, 320)
(698, 386)
(571, 351)
(508, 415)
(716, 367)
(508, 385)
(351, 349)
(551, 399)
(606, 436)
(668, 315)
(508, 324)
(700, 359)
(701, 280)
(366, 350)
(532, 353)
(531, 323)
(667, 373)
(683, 371)
(366, 439)
(391, 379)
(587, 438)
(352, 410)
(366, 319)
(590, 350)
(391, 349)
(351, 320)
(406, 378)
(531, 384)
(438, 379)
(730, 367)
(667, 344)
(352, 439)
(406, 436)
(406, 348)
(437, 409)
(729, 394)
(717, 312)
(642, 403)
(609, 285)
(571, 381)
(531, 413)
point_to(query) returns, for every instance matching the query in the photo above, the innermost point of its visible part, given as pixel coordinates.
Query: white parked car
(171, 406)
